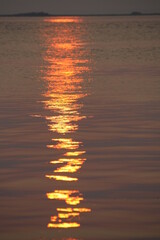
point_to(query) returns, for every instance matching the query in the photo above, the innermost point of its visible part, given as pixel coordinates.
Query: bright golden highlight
(68, 168)
(73, 164)
(69, 196)
(70, 210)
(74, 161)
(63, 20)
(65, 143)
(82, 210)
(64, 97)
(63, 225)
(53, 218)
(68, 215)
(62, 178)
(75, 154)
(64, 209)
(67, 66)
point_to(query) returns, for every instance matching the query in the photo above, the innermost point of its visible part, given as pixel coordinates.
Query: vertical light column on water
(67, 64)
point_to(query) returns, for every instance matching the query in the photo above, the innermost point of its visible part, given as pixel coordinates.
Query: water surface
(80, 128)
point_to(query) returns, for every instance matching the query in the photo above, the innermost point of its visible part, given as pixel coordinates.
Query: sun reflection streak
(73, 161)
(68, 215)
(68, 168)
(71, 197)
(75, 154)
(74, 210)
(63, 20)
(62, 178)
(67, 64)
(65, 143)
(63, 225)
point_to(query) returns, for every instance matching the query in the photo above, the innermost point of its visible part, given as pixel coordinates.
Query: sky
(79, 6)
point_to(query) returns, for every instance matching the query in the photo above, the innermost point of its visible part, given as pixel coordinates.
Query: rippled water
(80, 128)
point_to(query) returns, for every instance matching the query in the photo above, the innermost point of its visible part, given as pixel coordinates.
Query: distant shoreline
(43, 14)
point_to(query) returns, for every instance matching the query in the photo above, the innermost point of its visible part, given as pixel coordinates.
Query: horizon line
(45, 14)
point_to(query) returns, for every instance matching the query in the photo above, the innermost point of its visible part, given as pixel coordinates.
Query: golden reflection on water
(63, 20)
(71, 197)
(62, 178)
(63, 225)
(64, 77)
(64, 143)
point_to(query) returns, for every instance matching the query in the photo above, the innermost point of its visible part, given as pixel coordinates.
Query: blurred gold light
(80, 210)
(68, 215)
(64, 76)
(68, 168)
(65, 143)
(77, 153)
(64, 209)
(63, 225)
(74, 161)
(71, 197)
(62, 178)
(63, 20)
(53, 218)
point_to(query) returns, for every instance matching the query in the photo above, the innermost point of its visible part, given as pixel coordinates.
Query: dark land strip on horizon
(43, 14)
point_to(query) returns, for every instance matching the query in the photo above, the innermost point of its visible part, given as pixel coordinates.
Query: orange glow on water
(64, 84)
(65, 143)
(69, 210)
(73, 164)
(82, 210)
(75, 154)
(63, 124)
(63, 20)
(65, 209)
(68, 117)
(62, 178)
(53, 218)
(67, 66)
(68, 168)
(65, 46)
(74, 200)
(74, 161)
(71, 197)
(63, 225)
(68, 215)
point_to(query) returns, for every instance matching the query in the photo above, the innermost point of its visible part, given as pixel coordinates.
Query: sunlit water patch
(64, 83)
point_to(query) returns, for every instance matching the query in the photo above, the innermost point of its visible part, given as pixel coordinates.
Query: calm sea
(80, 128)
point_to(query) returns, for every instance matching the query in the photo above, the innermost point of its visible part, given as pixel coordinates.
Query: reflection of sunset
(65, 143)
(70, 197)
(62, 178)
(62, 124)
(75, 154)
(54, 218)
(73, 161)
(64, 85)
(68, 168)
(63, 225)
(63, 101)
(63, 20)
(74, 209)
(73, 164)
(68, 215)
(64, 214)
